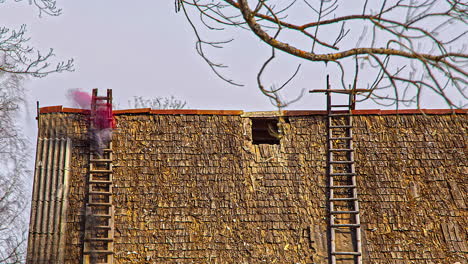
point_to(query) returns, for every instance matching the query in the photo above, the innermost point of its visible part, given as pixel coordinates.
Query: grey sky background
(142, 48)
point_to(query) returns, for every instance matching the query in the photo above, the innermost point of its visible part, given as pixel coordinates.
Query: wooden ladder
(98, 245)
(343, 205)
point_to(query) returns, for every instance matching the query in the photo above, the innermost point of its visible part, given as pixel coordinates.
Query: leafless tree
(399, 49)
(13, 172)
(18, 61)
(157, 103)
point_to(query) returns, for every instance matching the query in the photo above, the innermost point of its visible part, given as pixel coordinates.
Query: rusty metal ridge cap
(410, 112)
(61, 109)
(177, 112)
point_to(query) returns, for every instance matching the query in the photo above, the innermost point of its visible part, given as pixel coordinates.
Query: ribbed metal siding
(49, 202)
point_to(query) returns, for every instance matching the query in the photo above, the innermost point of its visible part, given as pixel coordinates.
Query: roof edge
(61, 109)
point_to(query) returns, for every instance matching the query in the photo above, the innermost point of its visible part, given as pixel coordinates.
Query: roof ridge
(61, 109)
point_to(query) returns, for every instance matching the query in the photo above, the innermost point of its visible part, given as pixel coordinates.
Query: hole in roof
(265, 131)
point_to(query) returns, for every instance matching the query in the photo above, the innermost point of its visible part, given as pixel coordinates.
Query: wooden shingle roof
(191, 187)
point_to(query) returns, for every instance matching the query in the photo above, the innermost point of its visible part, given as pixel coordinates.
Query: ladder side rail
(357, 219)
(331, 183)
(93, 107)
(330, 178)
(331, 205)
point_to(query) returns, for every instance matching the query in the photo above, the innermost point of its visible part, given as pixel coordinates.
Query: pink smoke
(102, 124)
(101, 121)
(80, 98)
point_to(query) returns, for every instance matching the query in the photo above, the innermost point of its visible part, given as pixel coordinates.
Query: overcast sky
(144, 48)
(140, 48)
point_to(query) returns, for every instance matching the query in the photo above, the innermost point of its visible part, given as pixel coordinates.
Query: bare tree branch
(157, 103)
(402, 32)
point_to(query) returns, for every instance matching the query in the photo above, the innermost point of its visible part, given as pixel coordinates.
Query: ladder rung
(341, 149)
(347, 253)
(102, 215)
(344, 199)
(341, 126)
(100, 181)
(98, 192)
(342, 91)
(344, 212)
(106, 150)
(108, 118)
(99, 239)
(95, 203)
(343, 186)
(345, 225)
(97, 251)
(341, 162)
(100, 171)
(100, 97)
(340, 105)
(339, 138)
(100, 160)
(343, 174)
(341, 114)
(102, 227)
(102, 104)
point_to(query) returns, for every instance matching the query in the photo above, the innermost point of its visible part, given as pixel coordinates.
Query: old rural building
(194, 186)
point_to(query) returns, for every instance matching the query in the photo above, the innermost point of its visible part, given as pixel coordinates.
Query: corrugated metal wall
(49, 202)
